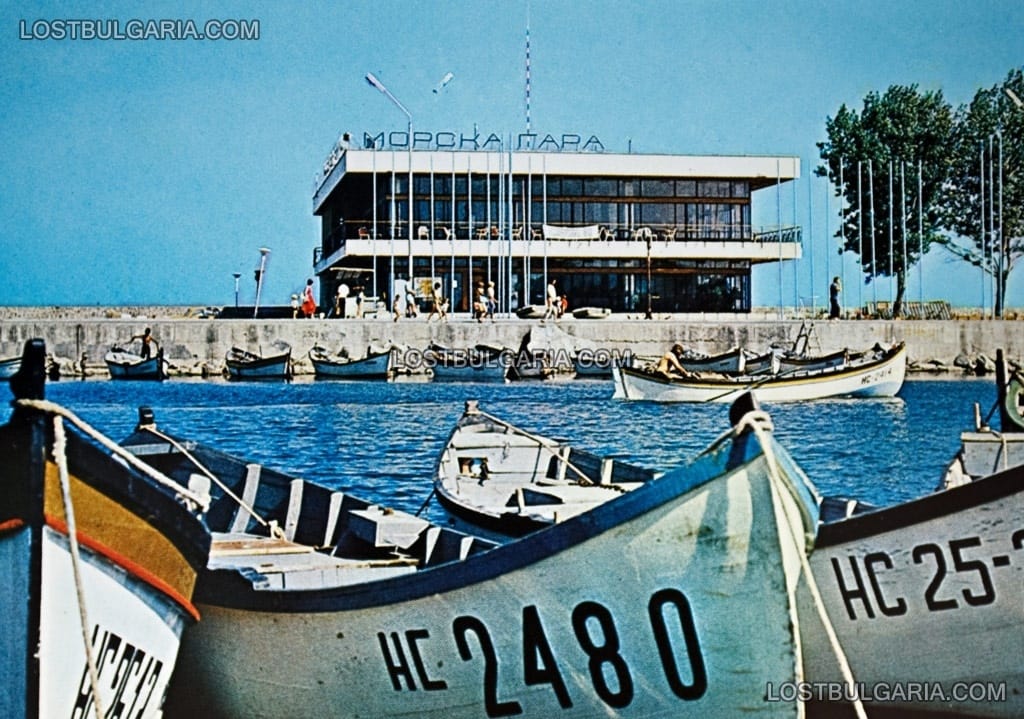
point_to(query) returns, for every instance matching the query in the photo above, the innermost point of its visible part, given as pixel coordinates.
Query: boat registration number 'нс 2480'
(406, 654)
(860, 583)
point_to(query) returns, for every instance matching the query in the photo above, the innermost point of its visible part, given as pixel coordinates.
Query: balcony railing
(701, 232)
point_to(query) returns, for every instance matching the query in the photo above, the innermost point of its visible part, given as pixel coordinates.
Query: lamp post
(647, 236)
(259, 279)
(236, 275)
(374, 82)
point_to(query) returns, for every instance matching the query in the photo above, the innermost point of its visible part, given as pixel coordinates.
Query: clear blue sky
(149, 171)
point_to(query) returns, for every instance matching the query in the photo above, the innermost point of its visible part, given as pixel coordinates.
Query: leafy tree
(990, 126)
(893, 136)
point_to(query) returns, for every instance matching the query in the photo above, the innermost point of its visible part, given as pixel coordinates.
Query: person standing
(340, 300)
(552, 300)
(147, 343)
(308, 301)
(492, 300)
(833, 299)
(439, 304)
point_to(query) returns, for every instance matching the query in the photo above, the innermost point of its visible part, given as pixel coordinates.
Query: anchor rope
(760, 423)
(60, 456)
(201, 501)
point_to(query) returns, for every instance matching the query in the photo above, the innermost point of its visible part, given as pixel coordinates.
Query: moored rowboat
(876, 374)
(123, 364)
(375, 365)
(674, 598)
(508, 482)
(99, 560)
(242, 364)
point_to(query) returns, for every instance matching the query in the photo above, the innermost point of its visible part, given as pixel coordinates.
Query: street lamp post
(647, 236)
(259, 279)
(236, 275)
(374, 82)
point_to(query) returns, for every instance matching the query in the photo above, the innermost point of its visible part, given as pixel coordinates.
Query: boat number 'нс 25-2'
(596, 635)
(956, 557)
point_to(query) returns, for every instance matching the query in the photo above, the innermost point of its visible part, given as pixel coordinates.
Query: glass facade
(493, 210)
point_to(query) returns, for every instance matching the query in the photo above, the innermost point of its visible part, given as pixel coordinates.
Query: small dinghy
(242, 364)
(497, 477)
(375, 365)
(123, 364)
(481, 363)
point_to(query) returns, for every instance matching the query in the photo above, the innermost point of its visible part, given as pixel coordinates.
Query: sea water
(380, 440)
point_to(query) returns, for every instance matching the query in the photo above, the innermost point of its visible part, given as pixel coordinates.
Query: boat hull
(276, 367)
(880, 378)
(928, 592)
(377, 366)
(139, 550)
(664, 613)
(127, 366)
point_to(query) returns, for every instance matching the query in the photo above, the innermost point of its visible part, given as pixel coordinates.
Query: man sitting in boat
(670, 366)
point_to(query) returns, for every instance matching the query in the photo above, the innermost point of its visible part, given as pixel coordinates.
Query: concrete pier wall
(196, 345)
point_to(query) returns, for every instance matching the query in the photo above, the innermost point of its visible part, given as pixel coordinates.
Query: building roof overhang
(759, 171)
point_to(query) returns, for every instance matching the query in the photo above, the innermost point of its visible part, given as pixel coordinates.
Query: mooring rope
(60, 456)
(273, 527)
(201, 501)
(760, 423)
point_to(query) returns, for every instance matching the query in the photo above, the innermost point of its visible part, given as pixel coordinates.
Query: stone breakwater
(195, 345)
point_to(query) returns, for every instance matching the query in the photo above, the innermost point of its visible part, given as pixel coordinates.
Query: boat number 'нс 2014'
(596, 635)
(957, 557)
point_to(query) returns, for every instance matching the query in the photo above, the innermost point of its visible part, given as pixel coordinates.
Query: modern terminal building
(634, 233)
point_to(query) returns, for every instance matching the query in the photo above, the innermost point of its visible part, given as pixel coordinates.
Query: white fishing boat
(482, 363)
(242, 364)
(985, 450)
(875, 374)
(123, 364)
(498, 478)
(374, 365)
(99, 558)
(925, 599)
(9, 366)
(676, 598)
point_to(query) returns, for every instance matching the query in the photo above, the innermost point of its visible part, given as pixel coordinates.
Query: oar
(752, 386)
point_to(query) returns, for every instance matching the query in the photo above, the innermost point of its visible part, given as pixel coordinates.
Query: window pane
(601, 188)
(572, 187)
(657, 188)
(686, 188)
